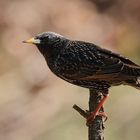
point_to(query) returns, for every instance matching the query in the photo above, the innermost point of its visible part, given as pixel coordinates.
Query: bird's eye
(37, 38)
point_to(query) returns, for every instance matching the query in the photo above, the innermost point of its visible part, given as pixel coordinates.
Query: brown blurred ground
(35, 104)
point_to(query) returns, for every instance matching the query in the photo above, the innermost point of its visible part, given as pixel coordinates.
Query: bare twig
(81, 111)
(95, 130)
(96, 127)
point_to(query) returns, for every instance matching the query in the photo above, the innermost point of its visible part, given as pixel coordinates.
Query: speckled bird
(86, 64)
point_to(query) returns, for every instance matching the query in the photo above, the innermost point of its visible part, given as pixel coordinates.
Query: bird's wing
(129, 68)
(122, 58)
(81, 60)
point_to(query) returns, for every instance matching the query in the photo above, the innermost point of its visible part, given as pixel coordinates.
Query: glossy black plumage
(85, 64)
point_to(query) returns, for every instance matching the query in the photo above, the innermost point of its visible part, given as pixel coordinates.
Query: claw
(93, 116)
(97, 112)
(103, 114)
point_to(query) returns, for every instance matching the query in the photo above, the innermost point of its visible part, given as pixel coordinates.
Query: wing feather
(82, 60)
(122, 58)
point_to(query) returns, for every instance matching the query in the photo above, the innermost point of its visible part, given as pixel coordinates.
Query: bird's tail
(133, 82)
(133, 74)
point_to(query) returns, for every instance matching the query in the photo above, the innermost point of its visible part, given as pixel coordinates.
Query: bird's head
(46, 41)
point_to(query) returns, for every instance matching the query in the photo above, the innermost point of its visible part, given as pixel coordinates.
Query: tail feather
(138, 82)
(134, 83)
(133, 75)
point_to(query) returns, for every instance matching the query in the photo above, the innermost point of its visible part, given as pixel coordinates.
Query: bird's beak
(32, 41)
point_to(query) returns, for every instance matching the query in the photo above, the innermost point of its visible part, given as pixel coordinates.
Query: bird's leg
(96, 112)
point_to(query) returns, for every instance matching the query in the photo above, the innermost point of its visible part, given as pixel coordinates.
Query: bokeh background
(34, 103)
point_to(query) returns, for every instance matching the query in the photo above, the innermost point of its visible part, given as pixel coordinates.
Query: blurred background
(34, 103)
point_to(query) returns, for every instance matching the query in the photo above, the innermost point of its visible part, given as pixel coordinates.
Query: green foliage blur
(34, 103)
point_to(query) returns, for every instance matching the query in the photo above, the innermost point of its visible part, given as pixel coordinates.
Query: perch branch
(96, 127)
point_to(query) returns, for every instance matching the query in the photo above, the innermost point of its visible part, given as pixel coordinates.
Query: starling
(86, 64)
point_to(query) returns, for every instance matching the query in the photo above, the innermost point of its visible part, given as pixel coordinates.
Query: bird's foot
(97, 112)
(93, 115)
